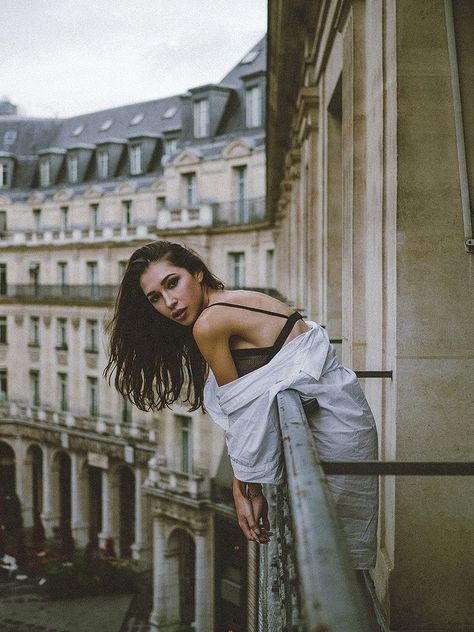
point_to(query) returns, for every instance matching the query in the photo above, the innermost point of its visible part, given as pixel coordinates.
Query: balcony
(107, 427)
(163, 481)
(59, 293)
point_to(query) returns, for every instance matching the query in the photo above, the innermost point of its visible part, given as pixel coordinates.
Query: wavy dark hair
(154, 361)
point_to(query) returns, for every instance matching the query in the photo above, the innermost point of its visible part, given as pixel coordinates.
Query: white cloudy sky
(67, 57)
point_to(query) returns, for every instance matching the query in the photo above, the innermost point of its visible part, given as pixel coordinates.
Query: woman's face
(173, 291)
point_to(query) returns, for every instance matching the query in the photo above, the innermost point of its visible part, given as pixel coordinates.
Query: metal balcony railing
(59, 292)
(306, 581)
(239, 212)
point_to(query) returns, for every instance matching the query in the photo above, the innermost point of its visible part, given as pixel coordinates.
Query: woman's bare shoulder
(250, 298)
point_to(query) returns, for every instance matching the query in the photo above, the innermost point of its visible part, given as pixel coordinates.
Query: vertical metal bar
(331, 599)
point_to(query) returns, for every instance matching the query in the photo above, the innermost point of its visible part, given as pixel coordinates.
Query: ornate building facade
(370, 163)
(77, 196)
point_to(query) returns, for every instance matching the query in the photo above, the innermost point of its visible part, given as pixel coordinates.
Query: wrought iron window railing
(239, 211)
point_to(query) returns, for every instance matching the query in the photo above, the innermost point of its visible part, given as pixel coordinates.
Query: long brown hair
(151, 358)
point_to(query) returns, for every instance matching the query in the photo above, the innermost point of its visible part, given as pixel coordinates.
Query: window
(138, 118)
(160, 203)
(3, 279)
(37, 224)
(3, 385)
(126, 411)
(237, 269)
(92, 276)
(44, 172)
(126, 212)
(77, 131)
(103, 163)
(34, 332)
(3, 223)
(185, 443)
(190, 193)
(9, 137)
(92, 336)
(92, 396)
(201, 118)
(72, 165)
(122, 267)
(62, 274)
(106, 125)
(171, 146)
(4, 171)
(269, 268)
(61, 334)
(34, 273)
(135, 160)
(63, 392)
(253, 107)
(3, 330)
(35, 388)
(65, 217)
(94, 215)
(170, 112)
(240, 186)
(250, 57)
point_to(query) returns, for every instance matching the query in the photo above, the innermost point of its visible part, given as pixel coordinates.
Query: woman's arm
(250, 510)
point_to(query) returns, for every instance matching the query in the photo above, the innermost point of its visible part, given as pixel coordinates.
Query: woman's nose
(170, 300)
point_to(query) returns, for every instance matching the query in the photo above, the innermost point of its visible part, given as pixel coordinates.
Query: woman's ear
(199, 276)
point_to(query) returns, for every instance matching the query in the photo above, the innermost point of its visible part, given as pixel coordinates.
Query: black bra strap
(252, 309)
(284, 333)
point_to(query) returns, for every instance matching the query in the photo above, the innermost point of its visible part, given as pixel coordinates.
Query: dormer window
(4, 173)
(171, 146)
(45, 172)
(103, 163)
(106, 125)
(135, 160)
(78, 130)
(253, 106)
(201, 118)
(72, 171)
(138, 118)
(170, 112)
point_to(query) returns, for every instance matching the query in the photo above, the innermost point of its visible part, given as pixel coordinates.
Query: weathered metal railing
(306, 579)
(59, 292)
(239, 212)
(306, 582)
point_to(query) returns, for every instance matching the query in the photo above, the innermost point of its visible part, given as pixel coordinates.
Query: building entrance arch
(62, 491)
(181, 555)
(7, 468)
(33, 493)
(126, 481)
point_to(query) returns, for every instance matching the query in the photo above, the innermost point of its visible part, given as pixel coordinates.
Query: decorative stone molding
(93, 192)
(236, 149)
(158, 186)
(125, 188)
(19, 320)
(91, 360)
(187, 157)
(4, 199)
(75, 323)
(63, 195)
(47, 321)
(36, 198)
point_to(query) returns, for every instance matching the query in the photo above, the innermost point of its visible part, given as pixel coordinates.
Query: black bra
(247, 360)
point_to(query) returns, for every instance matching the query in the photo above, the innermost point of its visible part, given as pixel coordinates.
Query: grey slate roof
(36, 134)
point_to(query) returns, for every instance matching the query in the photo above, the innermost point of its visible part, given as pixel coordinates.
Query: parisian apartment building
(77, 196)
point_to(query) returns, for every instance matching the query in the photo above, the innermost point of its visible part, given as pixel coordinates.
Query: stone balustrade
(162, 478)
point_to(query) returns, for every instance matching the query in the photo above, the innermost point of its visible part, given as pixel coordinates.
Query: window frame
(201, 118)
(253, 106)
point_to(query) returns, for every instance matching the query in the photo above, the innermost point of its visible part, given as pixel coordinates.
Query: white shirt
(343, 428)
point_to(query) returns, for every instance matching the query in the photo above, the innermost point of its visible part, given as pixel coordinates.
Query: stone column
(107, 528)
(79, 524)
(158, 617)
(137, 546)
(47, 516)
(204, 581)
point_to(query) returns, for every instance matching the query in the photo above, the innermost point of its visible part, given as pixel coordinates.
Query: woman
(174, 320)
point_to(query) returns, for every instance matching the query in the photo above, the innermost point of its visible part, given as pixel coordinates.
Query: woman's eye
(173, 282)
(154, 298)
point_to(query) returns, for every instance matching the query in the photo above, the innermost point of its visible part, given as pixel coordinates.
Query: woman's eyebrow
(163, 281)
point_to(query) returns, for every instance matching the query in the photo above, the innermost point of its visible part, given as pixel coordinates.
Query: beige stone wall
(371, 194)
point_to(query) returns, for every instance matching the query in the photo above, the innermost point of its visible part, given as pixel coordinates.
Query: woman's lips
(179, 314)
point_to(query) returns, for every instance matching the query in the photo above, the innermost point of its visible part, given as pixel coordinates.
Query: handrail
(327, 595)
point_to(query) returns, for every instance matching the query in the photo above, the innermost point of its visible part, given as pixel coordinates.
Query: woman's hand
(255, 526)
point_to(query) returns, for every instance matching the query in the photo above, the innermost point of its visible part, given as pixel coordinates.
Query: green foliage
(88, 576)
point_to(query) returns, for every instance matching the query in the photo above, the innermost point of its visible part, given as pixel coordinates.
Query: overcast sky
(68, 57)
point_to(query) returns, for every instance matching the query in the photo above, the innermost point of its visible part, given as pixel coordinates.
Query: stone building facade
(370, 163)
(77, 196)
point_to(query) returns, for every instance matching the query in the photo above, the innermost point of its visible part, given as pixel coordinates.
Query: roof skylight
(250, 57)
(10, 136)
(106, 125)
(138, 118)
(170, 112)
(78, 130)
